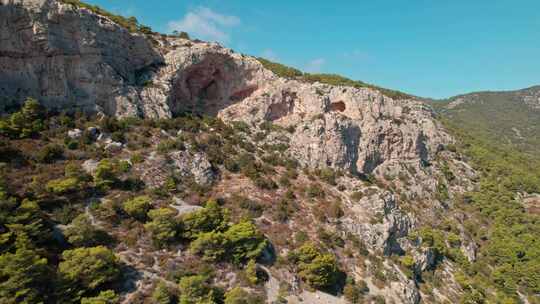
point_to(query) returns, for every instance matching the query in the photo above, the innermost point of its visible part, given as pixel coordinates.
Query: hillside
(509, 118)
(138, 167)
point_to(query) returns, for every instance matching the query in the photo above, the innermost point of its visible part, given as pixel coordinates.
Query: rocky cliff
(69, 57)
(72, 58)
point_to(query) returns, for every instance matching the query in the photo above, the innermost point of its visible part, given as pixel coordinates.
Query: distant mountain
(509, 118)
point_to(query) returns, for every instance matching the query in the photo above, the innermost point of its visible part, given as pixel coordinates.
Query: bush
(238, 295)
(168, 145)
(328, 176)
(89, 268)
(280, 69)
(265, 183)
(131, 23)
(63, 185)
(24, 274)
(434, 239)
(284, 210)
(210, 245)
(161, 294)
(105, 176)
(137, 158)
(137, 207)
(354, 293)
(25, 123)
(314, 191)
(245, 242)
(253, 208)
(75, 171)
(240, 243)
(318, 270)
(407, 261)
(163, 226)
(197, 290)
(251, 272)
(453, 239)
(212, 218)
(81, 233)
(104, 297)
(50, 153)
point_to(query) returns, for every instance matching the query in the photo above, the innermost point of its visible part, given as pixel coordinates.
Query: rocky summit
(139, 167)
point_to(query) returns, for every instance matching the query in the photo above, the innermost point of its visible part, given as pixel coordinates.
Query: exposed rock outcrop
(379, 222)
(69, 57)
(157, 168)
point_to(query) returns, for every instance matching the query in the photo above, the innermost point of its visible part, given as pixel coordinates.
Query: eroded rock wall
(70, 58)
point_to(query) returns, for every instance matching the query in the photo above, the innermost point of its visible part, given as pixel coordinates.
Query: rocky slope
(400, 176)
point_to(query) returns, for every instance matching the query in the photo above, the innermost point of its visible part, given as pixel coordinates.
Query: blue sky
(430, 48)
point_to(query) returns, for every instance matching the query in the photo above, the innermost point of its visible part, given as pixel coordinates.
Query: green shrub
(72, 144)
(238, 295)
(434, 239)
(138, 207)
(63, 185)
(161, 294)
(332, 79)
(284, 210)
(240, 243)
(25, 123)
(318, 270)
(407, 261)
(211, 218)
(106, 174)
(168, 145)
(104, 297)
(211, 246)
(327, 175)
(354, 292)
(24, 274)
(315, 191)
(244, 242)
(130, 23)
(253, 208)
(81, 233)
(252, 273)
(453, 239)
(265, 183)
(50, 153)
(89, 268)
(280, 69)
(197, 290)
(163, 226)
(137, 158)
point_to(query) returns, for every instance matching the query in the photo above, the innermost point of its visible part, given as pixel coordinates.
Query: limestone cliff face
(69, 57)
(341, 127)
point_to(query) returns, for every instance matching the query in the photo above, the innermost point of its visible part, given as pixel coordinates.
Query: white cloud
(315, 65)
(269, 54)
(206, 24)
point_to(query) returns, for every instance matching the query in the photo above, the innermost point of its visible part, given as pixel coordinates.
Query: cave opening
(208, 86)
